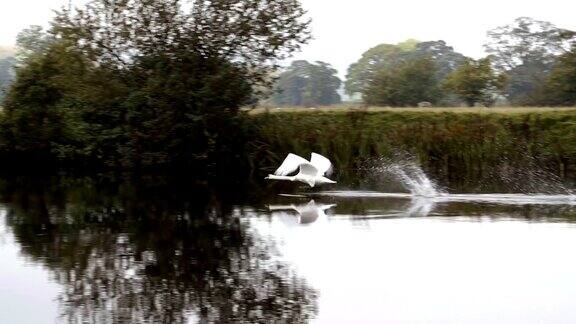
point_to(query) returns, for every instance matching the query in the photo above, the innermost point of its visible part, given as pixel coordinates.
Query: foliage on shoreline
(455, 144)
(139, 85)
(452, 145)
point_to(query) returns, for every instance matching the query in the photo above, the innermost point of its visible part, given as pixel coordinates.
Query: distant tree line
(529, 63)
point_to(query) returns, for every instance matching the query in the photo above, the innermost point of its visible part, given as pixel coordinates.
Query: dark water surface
(155, 251)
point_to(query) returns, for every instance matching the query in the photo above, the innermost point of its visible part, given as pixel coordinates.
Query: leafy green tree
(149, 83)
(560, 87)
(526, 50)
(444, 56)
(475, 82)
(38, 117)
(386, 56)
(406, 84)
(306, 84)
(375, 59)
(32, 41)
(206, 93)
(254, 34)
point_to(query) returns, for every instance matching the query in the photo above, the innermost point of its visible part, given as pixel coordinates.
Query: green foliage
(32, 41)
(406, 84)
(386, 56)
(140, 84)
(463, 147)
(306, 84)
(560, 88)
(525, 83)
(526, 50)
(444, 57)
(527, 40)
(38, 118)
(253, 33)
(177, 112)
(372, 61)
(161, 111)
(475, 82)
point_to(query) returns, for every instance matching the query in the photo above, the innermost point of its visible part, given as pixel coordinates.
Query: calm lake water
(98, 251)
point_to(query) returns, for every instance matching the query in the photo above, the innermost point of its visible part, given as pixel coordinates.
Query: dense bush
(137, 84)
(39, 120)
(162, 111)
(456, 146)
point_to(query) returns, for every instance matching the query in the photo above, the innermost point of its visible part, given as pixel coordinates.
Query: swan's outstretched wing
(308, 169)
(326, 207)
(290, 164)
(321, 163)
(281, 207)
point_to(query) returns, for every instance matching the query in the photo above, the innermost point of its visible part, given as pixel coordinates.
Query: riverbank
(461, 146)
(455, 144)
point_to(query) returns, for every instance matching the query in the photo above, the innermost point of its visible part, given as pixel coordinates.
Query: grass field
(475, 110)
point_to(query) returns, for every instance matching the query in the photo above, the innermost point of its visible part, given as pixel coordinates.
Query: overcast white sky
(344, 29)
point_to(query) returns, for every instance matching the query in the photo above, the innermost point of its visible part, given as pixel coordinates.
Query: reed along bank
(459, 146)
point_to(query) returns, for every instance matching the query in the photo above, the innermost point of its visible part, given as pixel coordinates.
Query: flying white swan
(307, 213)
(310, 172)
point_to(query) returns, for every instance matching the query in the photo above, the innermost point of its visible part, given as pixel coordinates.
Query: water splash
(408, 173)
(420, 206)
(423, 203)
(528, 177)
(414, 179)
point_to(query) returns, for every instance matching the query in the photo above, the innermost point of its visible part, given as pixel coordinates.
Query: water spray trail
(410, 175)
(414, 179)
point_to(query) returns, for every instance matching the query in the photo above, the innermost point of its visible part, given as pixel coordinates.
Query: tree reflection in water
(154, 255)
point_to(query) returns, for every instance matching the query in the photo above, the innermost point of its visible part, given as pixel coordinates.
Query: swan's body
(310, 172)
(307, 213)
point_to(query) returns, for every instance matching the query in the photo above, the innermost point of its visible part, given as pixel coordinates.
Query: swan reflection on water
(420, 207)
(306, 213)
(313, 212)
